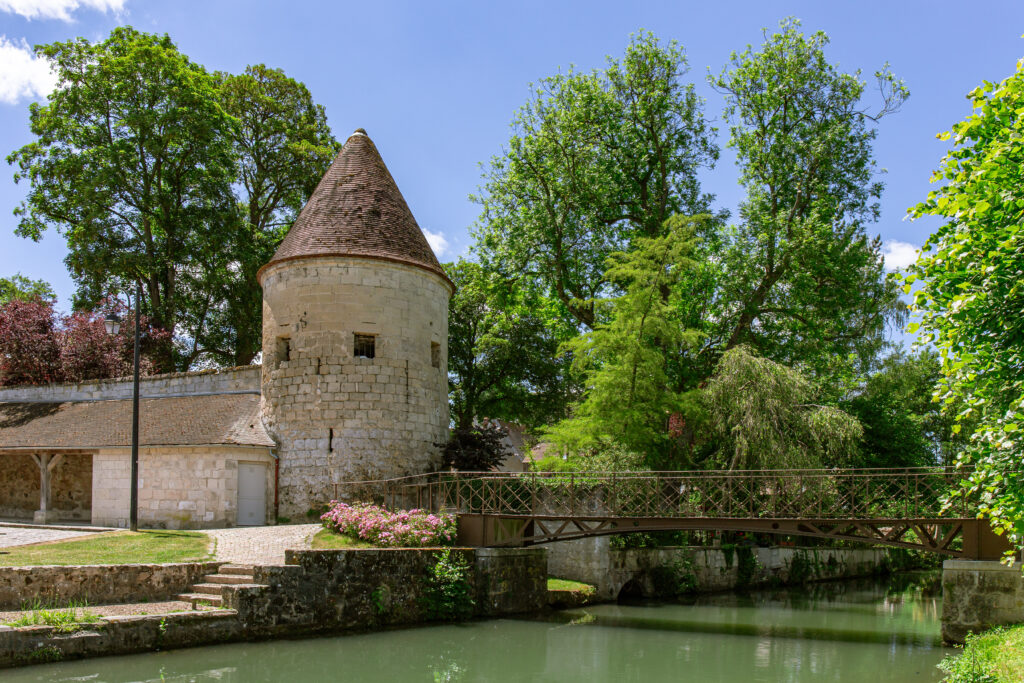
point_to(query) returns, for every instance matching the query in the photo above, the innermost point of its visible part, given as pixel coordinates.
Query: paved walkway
(261, 544)
(12, 536)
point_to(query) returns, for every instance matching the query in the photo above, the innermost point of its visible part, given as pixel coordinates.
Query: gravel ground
(12, 536)
(261, 544)
(119, 610)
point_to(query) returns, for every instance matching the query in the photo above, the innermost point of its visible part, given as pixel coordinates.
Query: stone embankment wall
(245, 379)
(332, 590)
(99, 584)
(316, 592)
(977, 595)
(713, 569)
(118, 636)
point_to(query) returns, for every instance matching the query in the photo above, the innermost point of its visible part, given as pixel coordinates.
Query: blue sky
(436, 84)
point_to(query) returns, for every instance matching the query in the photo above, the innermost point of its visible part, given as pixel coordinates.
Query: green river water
(844, 632)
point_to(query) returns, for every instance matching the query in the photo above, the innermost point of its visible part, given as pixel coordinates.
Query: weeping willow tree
(762, 415)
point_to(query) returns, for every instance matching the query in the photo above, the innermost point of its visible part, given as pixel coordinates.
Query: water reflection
(845, 633)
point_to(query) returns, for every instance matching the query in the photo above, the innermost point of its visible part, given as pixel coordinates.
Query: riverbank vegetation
(118, 547)
(996, 656)
(68, 619)
(556, 584)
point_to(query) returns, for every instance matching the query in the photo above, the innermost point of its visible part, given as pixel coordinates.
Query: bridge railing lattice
(779, 494)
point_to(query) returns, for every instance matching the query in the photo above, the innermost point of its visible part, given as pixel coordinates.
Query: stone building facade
(353, 385)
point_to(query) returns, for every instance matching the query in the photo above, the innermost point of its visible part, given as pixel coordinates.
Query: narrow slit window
(364, 346)
(435, 354)
(284, 350)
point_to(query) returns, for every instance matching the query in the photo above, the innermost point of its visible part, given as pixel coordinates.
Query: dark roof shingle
(358, 210)
(232, 419)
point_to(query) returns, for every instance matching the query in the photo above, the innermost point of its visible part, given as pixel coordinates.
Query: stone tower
(355, 336)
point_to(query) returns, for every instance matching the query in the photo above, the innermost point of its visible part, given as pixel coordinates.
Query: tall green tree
(802, 281)
(903, 426)
(596, 160)
(24, 289)
(155, 170)
(972, 295)
(630, 396)
(132, 164)
(283, 146)
(503, 359)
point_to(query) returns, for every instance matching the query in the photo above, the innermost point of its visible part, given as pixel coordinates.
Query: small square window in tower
(363, 346)
(435, 354)
(282, 351)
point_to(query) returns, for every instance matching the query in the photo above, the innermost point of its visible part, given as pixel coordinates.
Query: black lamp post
(113, 326)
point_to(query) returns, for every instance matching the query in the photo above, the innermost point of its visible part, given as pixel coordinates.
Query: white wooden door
(252, 494)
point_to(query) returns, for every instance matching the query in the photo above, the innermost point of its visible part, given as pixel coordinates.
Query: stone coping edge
(208, 372)
(980, 566)
(194, 563)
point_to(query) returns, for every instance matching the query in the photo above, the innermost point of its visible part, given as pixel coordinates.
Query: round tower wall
(339, 417)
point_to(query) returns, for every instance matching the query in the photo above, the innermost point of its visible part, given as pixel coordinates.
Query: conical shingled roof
(358, 210)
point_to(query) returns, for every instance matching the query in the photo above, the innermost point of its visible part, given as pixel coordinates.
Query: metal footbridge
(905, 508)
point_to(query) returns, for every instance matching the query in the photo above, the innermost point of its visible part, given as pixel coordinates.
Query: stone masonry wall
(716, 569)
(244, 379)
(977, 595)
(118, 636)
(331, 590)
(319, 591)
(70, 487)
(592, 561)
(19, 486)
(99, 584)
(338, 417)
(179, 487)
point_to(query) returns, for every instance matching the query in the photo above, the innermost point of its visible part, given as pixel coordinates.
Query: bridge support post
(979, 594)
(981, 543)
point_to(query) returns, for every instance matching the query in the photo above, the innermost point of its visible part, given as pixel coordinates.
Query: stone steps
(226, 579)
(244, 569)
(199, 599)
(210, 591)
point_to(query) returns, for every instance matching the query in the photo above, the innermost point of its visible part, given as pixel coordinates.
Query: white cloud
(898, 255)
(57, 9)
(22, 74)
(437, 242)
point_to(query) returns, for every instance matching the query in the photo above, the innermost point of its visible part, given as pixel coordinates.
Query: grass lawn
(119, 547)
(325, 539)
(568, 585)
(996, 656)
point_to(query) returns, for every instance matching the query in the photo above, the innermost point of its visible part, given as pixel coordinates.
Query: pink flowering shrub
(401, 529)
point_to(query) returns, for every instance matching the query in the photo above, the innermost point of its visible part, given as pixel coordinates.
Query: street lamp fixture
(112, 324)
